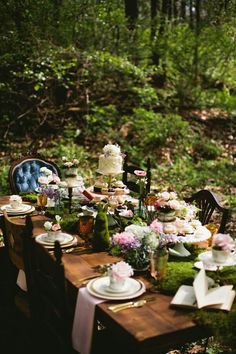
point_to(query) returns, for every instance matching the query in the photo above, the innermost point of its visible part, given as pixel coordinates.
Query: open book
(200, 296)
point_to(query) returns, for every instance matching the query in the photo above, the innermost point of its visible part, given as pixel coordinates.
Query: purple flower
(126, 240)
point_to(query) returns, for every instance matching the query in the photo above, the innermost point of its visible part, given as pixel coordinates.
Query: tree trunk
(183, 9)
(131, 12)
(197, 33)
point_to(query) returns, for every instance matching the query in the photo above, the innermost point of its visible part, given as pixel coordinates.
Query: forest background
(158, 77)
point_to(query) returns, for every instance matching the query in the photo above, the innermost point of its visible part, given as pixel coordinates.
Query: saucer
(99, 287)
(23, 209)
(206, 258)
(45, 240)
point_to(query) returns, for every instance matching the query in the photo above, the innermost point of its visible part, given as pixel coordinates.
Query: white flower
(174, 204)
(173, 195)
(48, 225)
(111, 150)
(138, 230)
(16, 198)
(58, 218)
(165, 195)
(46, 171)
(152, 240)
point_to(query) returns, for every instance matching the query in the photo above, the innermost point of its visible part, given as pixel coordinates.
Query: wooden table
(153, 328)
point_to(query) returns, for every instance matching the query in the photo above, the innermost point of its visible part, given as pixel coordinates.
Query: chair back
(130, 179)
(14, 242)
(24, 173)
(207, 202)
(48, 296)
(13, 231)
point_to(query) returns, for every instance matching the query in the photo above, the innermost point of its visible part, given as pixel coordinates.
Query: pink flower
(156, 226)
(140, 173)
(43, 180)
(223, 241)
(121, 270)
(56, 227)
(56, 179)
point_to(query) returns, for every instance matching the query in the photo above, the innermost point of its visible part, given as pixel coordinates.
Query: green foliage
(101, 237)
(207, 149)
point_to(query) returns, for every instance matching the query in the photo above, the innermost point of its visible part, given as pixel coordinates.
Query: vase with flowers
(134, 245)
(71, 174)
(142, 181)
(223, 246)
(118, 274)
(167, 204)
(53, 228)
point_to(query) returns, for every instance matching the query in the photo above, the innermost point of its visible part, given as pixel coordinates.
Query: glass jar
(158, 263)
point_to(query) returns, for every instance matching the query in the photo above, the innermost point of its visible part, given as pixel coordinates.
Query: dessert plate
(206, 258)
(63, 238)
(23, 209)
(99, 287)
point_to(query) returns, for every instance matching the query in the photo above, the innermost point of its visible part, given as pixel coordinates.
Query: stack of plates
(99, 287)
(23, 209)
(66, 240)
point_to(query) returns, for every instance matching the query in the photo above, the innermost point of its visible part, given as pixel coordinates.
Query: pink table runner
(82, 331)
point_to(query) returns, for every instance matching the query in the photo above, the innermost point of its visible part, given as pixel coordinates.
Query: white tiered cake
(111, 161)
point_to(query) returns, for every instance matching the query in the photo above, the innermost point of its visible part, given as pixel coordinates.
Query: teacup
(221, 256)
(117, 284)
(15, 204)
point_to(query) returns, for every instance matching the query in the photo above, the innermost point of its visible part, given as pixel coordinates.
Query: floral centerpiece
(15, 201)
(223, 242)
(134, 245)
(142, 181)
(48, 177)
(53, 228)
(222, 247)
(70, 166)
(118, 273)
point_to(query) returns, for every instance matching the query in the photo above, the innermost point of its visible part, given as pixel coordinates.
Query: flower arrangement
(50, 192)
(48, 177)
(70, 166)
(53, 226)
(142, 181)
(121, 270)
(223, 242)
(111, 150)
(167, 201)
(15, 201)
(134, 245)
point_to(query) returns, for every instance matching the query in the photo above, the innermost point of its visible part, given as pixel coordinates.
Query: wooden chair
(207, 202)
(47, 295)
(14, 245)
(24, 172)
(130, 179)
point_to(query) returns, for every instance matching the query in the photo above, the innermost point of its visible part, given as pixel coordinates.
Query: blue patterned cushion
(26, 174)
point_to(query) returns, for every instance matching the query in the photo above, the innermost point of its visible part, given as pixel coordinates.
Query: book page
(185, 296)
(212, 296)
(200, 286)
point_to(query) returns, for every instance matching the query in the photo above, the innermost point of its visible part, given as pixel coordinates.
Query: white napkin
(82, 331)
(21, 280)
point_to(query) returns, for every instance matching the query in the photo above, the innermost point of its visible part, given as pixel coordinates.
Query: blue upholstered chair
(24, 173)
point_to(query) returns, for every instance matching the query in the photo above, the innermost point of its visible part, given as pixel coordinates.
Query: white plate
(206, 258)
(63, 239)
(191, 238)
(69, 244)
(209, 267)
(26, 209)
(99, 287)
